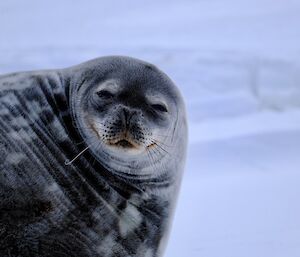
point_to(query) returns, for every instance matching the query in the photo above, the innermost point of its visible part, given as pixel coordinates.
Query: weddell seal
(91, 159)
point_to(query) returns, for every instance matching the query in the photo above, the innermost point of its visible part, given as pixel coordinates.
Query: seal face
(92, 158)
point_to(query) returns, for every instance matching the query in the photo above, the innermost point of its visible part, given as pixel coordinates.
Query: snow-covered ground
(237, 64)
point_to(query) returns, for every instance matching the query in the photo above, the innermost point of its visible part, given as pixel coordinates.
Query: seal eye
(159, 107)
(104, 94)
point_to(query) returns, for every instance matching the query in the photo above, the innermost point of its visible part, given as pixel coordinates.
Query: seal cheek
(130, 219)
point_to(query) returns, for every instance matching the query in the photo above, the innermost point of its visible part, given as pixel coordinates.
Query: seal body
(91, 159)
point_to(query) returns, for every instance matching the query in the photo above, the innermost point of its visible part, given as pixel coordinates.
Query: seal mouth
(124, 144)
(123, 141)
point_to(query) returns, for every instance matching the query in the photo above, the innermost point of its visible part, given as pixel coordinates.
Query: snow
(237, 65)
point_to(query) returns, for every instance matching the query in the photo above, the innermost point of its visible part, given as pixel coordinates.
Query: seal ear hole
(159, 107)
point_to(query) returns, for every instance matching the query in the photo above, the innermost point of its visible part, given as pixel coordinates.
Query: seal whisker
(149, 157)
(155, 153)
(158, 145)
(152, 158)
(163, 163)
(160, 135)
(68, 162)
(160, 154)
(161, 143)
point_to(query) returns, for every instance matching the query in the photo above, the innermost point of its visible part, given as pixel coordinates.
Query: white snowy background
(237, 63)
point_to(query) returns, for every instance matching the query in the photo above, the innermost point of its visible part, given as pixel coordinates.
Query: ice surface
(237, 65)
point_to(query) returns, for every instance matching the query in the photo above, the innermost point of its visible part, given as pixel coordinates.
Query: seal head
(131, 115)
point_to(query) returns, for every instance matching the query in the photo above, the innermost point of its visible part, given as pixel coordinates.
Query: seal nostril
(126, 115)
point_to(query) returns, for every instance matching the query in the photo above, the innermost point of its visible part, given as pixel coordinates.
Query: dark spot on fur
(47, 116)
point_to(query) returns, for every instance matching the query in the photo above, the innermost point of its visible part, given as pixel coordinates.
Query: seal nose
(127, 115)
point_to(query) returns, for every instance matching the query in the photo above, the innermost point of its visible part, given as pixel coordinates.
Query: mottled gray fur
(117, 197)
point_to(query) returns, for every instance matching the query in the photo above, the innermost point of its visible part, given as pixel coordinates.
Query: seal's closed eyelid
(158, 103)
(104, 93)
(161, 107)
